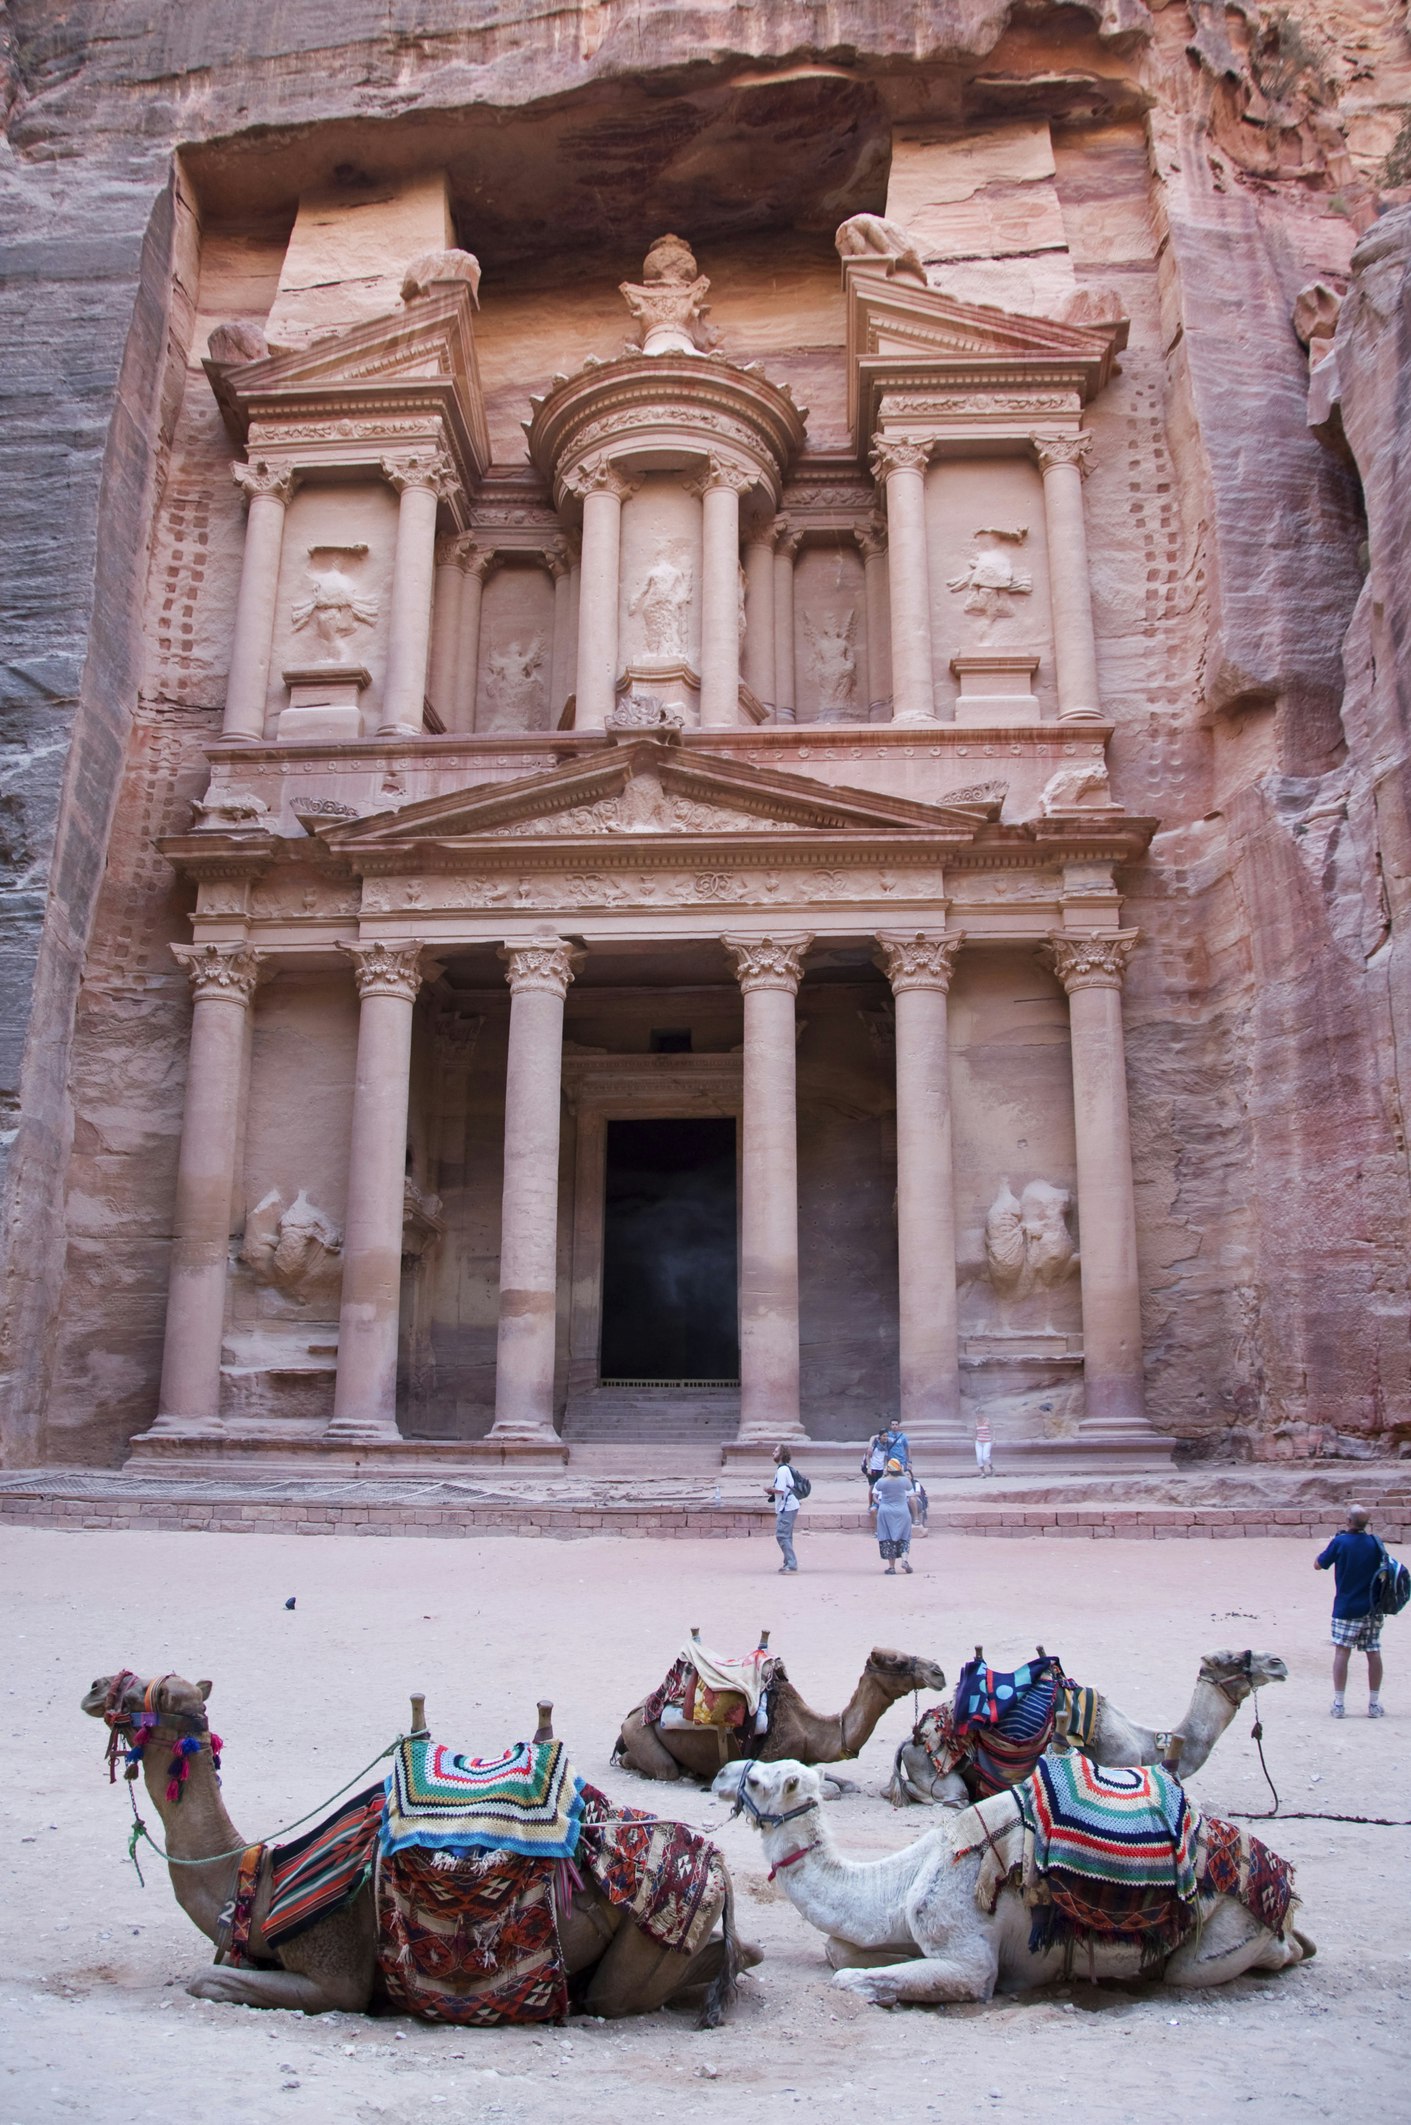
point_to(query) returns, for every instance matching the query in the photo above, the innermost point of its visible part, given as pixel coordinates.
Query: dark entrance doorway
(669, 1252)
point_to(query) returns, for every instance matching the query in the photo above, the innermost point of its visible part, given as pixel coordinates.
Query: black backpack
(1391, 1589)
(802, 1486)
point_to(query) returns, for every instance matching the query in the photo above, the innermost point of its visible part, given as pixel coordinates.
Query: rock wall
(1209, 162)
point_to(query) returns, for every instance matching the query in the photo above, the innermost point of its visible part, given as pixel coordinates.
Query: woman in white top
(786, 1506)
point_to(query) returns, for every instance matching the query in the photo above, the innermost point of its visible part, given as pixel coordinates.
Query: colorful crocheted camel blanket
(529, 1800)
(1000, 1724)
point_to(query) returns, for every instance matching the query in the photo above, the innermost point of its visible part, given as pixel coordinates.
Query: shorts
(1362, 1633)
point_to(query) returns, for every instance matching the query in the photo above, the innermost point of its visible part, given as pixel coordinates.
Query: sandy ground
(95, 2021)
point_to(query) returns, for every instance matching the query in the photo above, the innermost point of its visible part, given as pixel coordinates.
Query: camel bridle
(130, 1734)
(763, 1819)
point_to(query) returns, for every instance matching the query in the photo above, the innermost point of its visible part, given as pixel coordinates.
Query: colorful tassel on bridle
(129, 1736)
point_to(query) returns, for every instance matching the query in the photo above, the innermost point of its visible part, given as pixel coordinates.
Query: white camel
(1225, 1681)
(906, 1930)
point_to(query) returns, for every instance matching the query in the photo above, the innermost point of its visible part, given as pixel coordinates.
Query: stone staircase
(653, 1416)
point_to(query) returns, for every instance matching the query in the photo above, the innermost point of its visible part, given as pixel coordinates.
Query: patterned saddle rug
(529, 1800)
(1000, 1724)
(710, 1689)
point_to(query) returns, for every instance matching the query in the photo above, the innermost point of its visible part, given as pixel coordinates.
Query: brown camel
(793, 1730)
(333, 1965)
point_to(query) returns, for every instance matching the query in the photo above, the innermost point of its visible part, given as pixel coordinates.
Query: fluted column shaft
(223, 979)
(444, 677)
(902, 466)
(872, 540)
(557, 561)
(769, 971)
(919, 969)
(1091, 970)
(720, 492)
(421, 480)
(604, 491)
(476, 564)
(539, 975)
(365, 1392)
(1063, 460)
(269, 489)
(785, 695)
(757, 663)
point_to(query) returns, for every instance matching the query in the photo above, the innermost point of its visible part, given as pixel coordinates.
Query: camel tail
(898, 1792)
(725, 1984)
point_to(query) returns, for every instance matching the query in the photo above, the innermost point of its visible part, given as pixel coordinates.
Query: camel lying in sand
(794, 1730)
(333, 1965)
(907, 1929)
(1225, 1681)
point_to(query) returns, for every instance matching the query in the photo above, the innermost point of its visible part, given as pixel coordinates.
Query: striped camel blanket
(529, 1800)
(1000, 1724)
(310, 1878)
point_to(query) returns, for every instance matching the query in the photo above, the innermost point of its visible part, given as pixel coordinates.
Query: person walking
(1354, 1556)
(983, 1444)
(786, 1507)
(891, 1496)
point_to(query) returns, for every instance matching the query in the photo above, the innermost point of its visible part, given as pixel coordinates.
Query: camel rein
(1375, 1822)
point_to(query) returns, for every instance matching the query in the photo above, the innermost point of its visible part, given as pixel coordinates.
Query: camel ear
(791, 1784)
(205, 1689)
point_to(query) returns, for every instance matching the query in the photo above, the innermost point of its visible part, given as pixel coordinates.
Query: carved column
(476, 564)
(557, 561)
(539, 975)
(919, 969)
(769, 970)
(223, 978)
(1091, 970)
(720, 492)
(422, 480)
(444, 679)
(757, 665)
(902, 468)
(365, 1393)
(268, 489)
(872, 543)
(786, 548)
(604, 490)
(1063, 460)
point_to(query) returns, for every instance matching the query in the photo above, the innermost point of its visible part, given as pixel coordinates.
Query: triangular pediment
(644, 791)
(425, 348)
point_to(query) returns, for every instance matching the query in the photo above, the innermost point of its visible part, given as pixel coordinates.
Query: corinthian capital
(871, 536)
(600, 476)
(897, 453)
(1090, 962)
(549, 966)
(912, 960)
(265, 476)
(386, 969)
(431, 469)
(558, 559)
(720, 472)
(769, 962)
(228, 972)
(1051, 450)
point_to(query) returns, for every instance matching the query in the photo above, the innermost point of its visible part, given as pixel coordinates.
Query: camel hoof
(871, 1985)
(207, 1985)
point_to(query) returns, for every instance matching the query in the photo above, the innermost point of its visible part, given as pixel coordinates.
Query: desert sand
(96, 2023)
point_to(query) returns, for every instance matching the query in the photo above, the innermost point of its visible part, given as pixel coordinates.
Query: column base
(168, 1426)
(1080, 715)
(401, 730)
(916, 722)
(362, 1431)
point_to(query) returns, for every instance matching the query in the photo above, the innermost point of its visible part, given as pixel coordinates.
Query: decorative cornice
(431, 469)
(895, 453)
(912, 959)
(769, 962)
(226, 973)
(548, 967)
(386, 969)
(264, 475)
(1090, 962)
(1051, 450)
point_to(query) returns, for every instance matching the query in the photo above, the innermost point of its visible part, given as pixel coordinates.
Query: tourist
(891, 1499)
(786, 1507)
(983, 1443)
(874, 1461)
(1355, 1556)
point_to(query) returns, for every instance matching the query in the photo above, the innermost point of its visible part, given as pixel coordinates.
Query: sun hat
(893, 1467)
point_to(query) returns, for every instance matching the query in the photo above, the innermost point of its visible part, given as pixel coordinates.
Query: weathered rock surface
(1209, 165)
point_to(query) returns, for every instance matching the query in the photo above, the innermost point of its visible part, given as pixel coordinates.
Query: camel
(1223, 1683)
(906, 1930)
(794, 1730)
(333, 1965)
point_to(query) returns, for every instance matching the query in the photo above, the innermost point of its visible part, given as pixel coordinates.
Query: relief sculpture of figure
(1027, 1241)
(512, 683)
(990, 581)
(834, 663)
(297, 1249)
(661, 600)
(334, 608)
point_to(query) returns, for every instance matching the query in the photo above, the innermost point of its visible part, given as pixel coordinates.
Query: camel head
(899, 1672)
(1238, 1674)
(137, 1711)
(771, 1793)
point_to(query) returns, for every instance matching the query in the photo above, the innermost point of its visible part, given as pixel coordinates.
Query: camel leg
(846, 1955)
(277, 1988)
(636, 1975)
(1230, 1943)
(925, 1982)
(644, 1752)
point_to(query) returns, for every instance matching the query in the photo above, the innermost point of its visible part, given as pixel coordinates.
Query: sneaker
(1376, 1711)
(1339, 1709)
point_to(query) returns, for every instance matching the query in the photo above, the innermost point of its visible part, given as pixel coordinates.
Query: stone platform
(680, 1501)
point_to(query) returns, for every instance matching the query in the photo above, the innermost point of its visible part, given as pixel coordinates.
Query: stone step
(653, 1416)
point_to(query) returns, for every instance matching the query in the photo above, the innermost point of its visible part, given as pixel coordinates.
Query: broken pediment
(903, 338)
(369, 388)
(650, 787)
